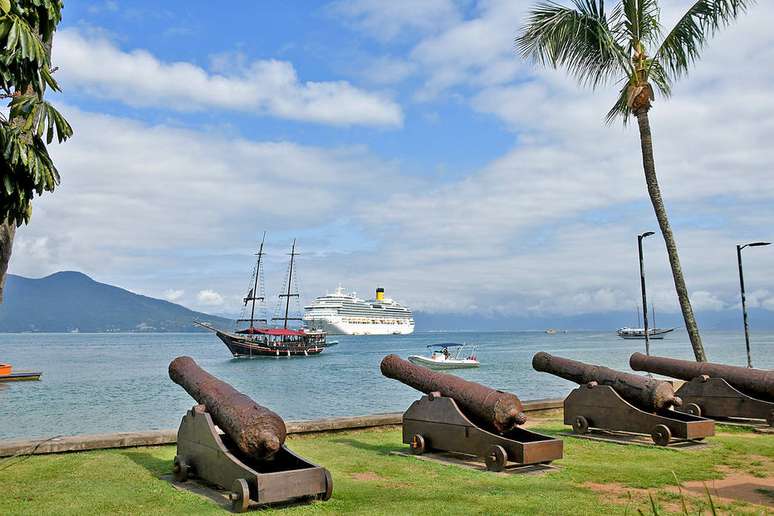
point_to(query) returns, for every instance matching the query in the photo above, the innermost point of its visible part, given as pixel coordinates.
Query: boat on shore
(447, 356)
(258, 340)
(7, 374)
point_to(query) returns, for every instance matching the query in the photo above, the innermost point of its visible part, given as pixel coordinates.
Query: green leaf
(8, 185)
(5, 6)
(13, 37)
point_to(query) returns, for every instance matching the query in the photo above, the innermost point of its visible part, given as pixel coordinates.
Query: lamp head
(758, 244)
(647, 234)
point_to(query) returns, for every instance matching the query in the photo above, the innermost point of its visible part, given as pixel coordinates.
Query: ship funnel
(380, 294)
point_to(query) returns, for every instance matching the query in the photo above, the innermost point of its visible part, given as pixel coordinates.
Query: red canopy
(277, 332)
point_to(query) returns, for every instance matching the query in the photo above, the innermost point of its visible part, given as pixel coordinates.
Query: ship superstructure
(343, 313)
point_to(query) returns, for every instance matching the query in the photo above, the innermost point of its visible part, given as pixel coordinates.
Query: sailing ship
(260, 340)
(639, 332)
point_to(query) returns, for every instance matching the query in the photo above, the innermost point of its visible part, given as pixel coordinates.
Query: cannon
(715, 390)
(460, 416)
(231, 441)
(616, 401)
(644, 392)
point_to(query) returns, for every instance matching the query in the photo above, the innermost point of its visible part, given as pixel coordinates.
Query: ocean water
(95, 383)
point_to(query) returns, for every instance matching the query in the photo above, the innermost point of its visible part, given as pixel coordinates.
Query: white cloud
(209, 297)
(703, 300)
(150, 206)
(386, 20)
(477, 50)
(388, 70)
(173, 295)
(262, 87)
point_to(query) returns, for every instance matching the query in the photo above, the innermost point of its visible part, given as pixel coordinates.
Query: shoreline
(85, 442)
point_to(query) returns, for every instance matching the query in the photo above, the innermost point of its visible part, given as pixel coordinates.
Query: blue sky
(405, 145)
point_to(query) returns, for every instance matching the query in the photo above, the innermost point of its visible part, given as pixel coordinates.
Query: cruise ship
(343, 313)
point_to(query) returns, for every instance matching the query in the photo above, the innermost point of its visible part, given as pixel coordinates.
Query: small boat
(639, 333)
(552, 331)
(7, 374)
(447, 356)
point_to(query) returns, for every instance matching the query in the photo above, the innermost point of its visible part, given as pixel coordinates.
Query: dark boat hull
(20, 376)
(246, 347)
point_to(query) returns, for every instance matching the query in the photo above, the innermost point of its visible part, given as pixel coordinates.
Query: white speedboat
(447, 356)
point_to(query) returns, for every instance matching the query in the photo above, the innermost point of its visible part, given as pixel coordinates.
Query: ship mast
(253, 294)
(288, 294)
(255, 285)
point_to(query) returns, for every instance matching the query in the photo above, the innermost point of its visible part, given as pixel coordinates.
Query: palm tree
(629, 45)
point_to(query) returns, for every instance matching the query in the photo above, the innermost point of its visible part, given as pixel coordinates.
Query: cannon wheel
(661, 435)
(240, 495)
(328, 486)
(418, 444)
(580, 425)
(181, 470)
(496, 458)
(770, 418)
(693, 409)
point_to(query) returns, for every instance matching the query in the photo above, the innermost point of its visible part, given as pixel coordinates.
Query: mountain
(70, 301)
(730, 319)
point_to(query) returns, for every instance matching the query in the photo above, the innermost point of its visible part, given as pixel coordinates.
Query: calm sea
(95, 383)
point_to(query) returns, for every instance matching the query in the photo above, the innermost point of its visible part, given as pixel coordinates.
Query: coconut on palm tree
(628, 45)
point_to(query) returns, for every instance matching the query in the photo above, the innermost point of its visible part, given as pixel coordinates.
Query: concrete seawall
(77, 443)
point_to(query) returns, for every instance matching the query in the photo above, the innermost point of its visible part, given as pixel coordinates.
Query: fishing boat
(260, 340)
(7, 374)
(447, 356)
(639, 332)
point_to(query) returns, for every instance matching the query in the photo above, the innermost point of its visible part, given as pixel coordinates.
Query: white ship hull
(344, 313)
(336, 326)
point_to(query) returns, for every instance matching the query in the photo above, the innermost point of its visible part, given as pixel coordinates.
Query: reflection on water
(118, 382)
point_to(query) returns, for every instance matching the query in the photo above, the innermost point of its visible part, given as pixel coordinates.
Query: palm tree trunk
(7, 232)
(654, 191)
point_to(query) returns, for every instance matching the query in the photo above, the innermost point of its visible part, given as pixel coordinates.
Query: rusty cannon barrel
(489, 408)
(646, 393)
(255, 430)
(757, 383)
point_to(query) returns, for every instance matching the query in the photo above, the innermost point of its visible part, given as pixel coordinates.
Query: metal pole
(644, 297)
(744, 303)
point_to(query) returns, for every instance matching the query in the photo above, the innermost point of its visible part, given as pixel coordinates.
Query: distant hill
(731, 319)
(72, 301)
(69, 301)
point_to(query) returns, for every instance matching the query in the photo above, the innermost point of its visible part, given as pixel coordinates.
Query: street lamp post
(642, 287)
(744, 302)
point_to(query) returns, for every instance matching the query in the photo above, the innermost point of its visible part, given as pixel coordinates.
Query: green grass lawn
(367, 480)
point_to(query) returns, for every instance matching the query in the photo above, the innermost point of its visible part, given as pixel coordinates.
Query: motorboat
(7, 374)
(447, 356)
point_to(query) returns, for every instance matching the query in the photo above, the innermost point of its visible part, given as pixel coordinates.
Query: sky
(403, 144)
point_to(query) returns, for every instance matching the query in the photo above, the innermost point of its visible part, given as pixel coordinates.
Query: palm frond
(660, 78)
(621, 107)
(641, 23)
(579, 39)
(683, 45)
